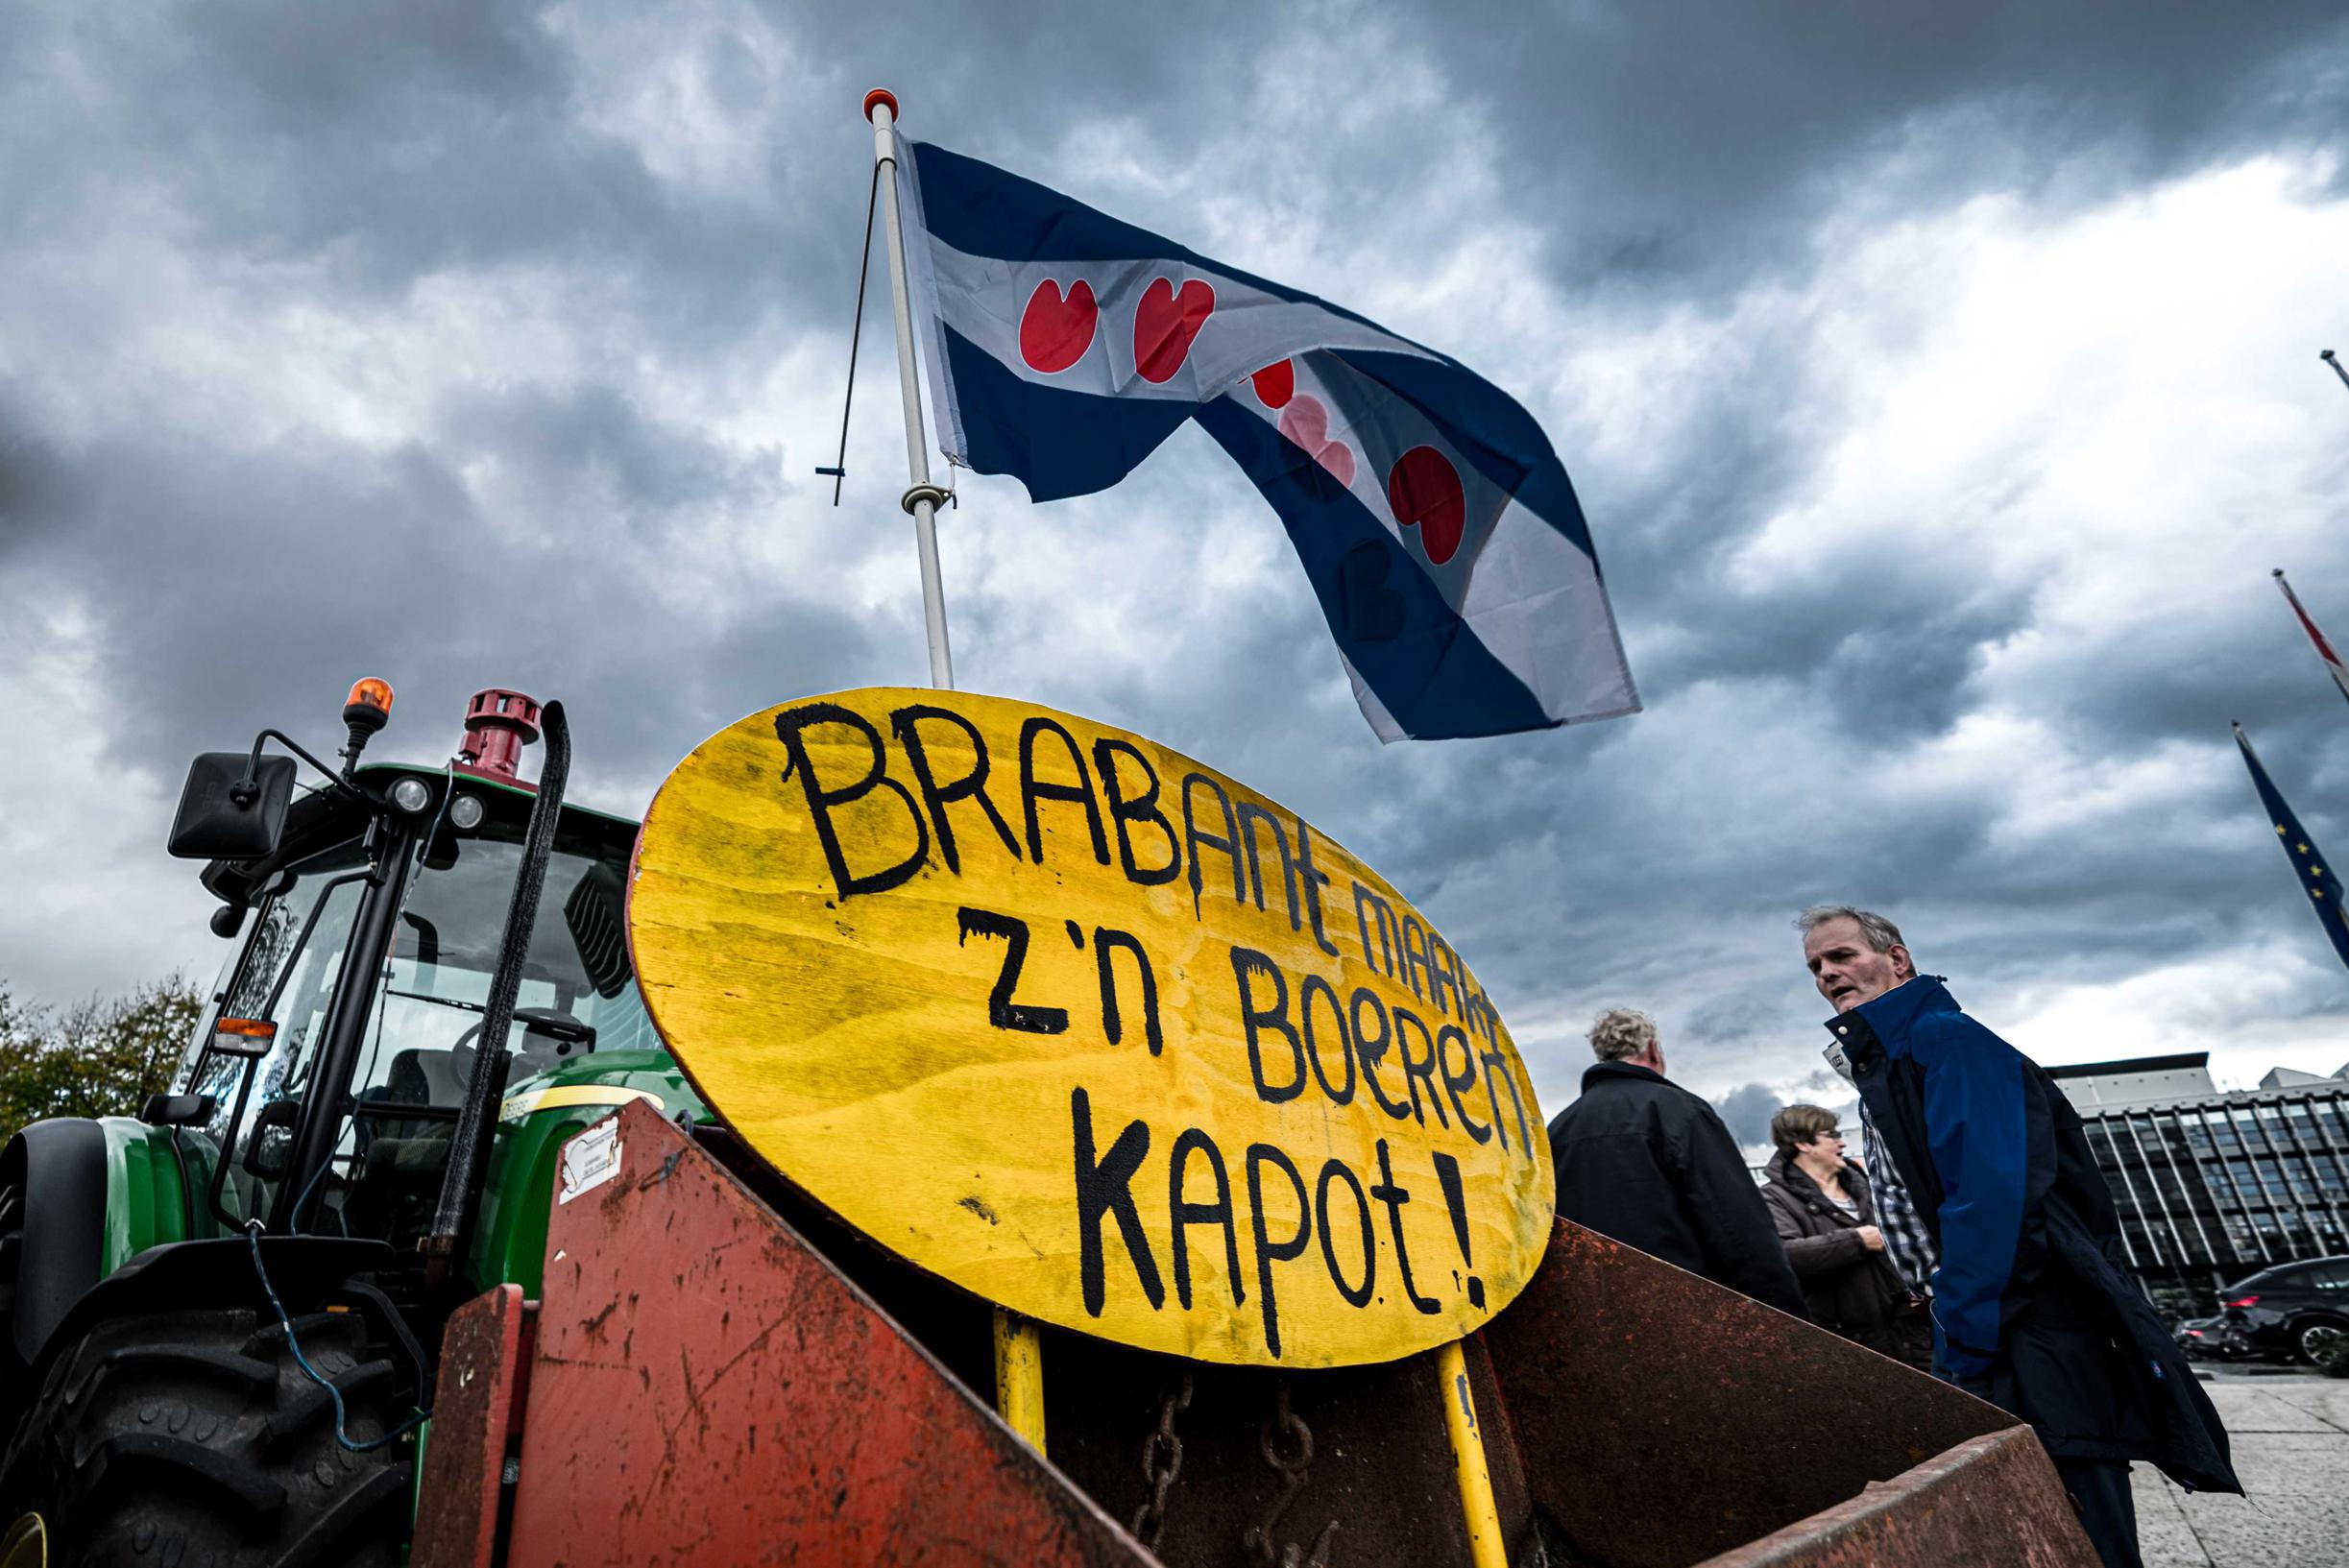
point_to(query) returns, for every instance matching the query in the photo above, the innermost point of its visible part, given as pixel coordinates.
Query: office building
(2213, 1185)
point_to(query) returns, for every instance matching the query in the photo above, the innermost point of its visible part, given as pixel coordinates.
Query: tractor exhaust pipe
(498, 723)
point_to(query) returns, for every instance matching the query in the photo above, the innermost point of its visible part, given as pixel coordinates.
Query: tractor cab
(324, 1085)
(445, 857)
(430, 993)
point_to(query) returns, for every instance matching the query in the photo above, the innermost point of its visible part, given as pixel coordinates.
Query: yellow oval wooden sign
(1089, 1029)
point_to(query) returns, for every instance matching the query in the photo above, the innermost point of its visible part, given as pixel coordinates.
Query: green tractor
(220, 1319)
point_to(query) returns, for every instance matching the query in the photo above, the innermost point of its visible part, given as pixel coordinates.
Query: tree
(103, 1056)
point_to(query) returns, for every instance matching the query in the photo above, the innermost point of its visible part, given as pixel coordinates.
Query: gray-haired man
(2034, 1309)
(1644, 1160)
(1906, 1237)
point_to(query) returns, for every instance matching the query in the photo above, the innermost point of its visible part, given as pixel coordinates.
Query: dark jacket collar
(1889, 1018)
(1895, 1012)
(1598, 1073)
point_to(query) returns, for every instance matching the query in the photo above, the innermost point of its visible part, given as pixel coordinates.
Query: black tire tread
(311, 1406)
(374, 1510)
(154, 1459)
(193, 1437)
(229, 1366)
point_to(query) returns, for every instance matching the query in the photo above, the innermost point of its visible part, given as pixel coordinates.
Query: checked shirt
(1896, 1215)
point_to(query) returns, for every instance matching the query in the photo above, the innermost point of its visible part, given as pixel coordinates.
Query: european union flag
(2323, 888)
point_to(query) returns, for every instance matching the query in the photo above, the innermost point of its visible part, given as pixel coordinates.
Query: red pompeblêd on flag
(2324, 649)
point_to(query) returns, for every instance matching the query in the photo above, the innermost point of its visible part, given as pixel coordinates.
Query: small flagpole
(2324, 649)
(2334, 360)
(922, 497)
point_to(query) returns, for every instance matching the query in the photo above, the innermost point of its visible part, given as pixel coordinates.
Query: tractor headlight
(466, 811)
(411, 795)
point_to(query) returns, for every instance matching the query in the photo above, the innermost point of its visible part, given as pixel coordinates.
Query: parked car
(2286, 1312)
(2212, 1338)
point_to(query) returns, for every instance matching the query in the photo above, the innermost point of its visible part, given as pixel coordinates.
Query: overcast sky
(1940, 381)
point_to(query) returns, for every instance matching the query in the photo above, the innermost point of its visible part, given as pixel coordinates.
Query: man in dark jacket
(2034, 1309)
(1644, 1160)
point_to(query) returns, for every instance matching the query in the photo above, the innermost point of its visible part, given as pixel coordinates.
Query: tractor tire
(194, 1438)
(13, 1390)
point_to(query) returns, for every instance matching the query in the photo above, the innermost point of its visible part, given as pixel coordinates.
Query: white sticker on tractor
(590, 1159)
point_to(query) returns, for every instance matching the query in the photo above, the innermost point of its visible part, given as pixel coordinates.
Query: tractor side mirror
(178, 1110)
(232, 806)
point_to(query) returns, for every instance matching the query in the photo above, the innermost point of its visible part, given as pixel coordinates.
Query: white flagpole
(922, 497)
(1019, 1352)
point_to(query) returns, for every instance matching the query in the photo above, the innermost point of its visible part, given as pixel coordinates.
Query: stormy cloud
(1941, 385)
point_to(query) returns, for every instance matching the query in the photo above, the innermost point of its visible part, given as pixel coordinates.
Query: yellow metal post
(1019, 1376)
(1475, 1475)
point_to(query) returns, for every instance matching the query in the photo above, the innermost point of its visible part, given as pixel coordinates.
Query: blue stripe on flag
(1429, 670)
(982, 210)
(1056, 441)
(1490, 429)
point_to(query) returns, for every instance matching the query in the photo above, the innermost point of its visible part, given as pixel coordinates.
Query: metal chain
(1161, 1464)
(1286, 1424)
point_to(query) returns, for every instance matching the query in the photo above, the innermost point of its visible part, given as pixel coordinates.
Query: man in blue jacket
(2033, 1306)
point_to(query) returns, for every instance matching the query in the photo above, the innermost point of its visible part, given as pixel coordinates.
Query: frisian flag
(2322, 887)
(1436, 527)
(2324, 649)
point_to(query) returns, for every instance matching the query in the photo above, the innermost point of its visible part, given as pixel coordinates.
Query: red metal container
(718, 1374)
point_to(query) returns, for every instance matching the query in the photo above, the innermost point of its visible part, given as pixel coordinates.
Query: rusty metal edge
(2043, 1529)
(1697, 1374)
(483, 1364)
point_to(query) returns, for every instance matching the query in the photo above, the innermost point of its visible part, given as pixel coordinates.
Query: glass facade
(2211, 1190)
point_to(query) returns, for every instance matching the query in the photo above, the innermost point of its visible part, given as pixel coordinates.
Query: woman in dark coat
(1825, 1220)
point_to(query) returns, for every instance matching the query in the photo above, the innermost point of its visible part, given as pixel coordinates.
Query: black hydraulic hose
(468, 1152)
(334, 1394)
